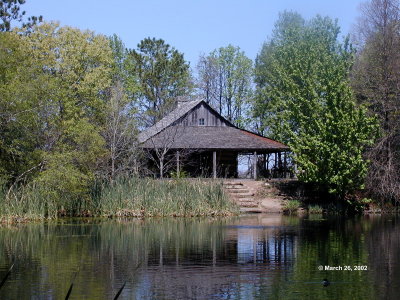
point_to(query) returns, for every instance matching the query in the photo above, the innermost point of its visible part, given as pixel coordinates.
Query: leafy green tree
(163, 74)
(54, 106)
(21, 107)
(225, 77)
(11, 10)
(80, 63)
(123, 68)
(304, 99)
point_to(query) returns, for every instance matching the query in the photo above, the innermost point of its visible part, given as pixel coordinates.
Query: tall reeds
(177, 197)
(136, 197)
(25, 202)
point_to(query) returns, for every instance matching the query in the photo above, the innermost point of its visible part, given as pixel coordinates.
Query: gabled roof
(182, 109)
(212, 137)
(164, 134)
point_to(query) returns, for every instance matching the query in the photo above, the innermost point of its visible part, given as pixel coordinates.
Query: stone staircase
(243, 196)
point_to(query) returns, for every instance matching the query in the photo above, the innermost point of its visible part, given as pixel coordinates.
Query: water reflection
(248, 257)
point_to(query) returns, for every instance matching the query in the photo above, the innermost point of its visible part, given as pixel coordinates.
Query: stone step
(231, 187)
(250, 210)
(235, 191)
(246, 200)
(249, 204)
(232, 183)
(242, 195)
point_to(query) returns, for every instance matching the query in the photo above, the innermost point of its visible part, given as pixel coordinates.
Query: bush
(291, 206)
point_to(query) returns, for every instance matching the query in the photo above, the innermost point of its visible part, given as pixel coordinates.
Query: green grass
(129, 197)
(291, 206)
(25, 203)
(149, 197)
(315, 209)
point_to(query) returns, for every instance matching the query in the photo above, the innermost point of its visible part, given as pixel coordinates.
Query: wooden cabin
(203, 143)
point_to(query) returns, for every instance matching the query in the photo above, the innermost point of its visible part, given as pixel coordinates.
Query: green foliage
(51, 88)
(123, 69)
(314, 209)
(304, 99)
(291, 206)
(163, 74)
(21, 107)
(181, 174)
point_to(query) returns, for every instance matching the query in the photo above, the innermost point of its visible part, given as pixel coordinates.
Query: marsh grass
(125, 197)
(25, 202)
(177, 197)
(291, 206)
(315, 209)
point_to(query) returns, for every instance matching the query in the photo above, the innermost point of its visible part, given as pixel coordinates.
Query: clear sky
(191, 26)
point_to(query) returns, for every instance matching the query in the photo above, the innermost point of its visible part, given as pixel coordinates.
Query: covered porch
(234, 163)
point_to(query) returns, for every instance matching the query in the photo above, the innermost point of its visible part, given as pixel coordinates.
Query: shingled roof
(212, 137)
(183, 108)
(168, 133)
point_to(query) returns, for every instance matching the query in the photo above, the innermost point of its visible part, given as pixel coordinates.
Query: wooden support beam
(214, 164)
(284, 165)
(178, 167)
(255, 165)
(265, 163)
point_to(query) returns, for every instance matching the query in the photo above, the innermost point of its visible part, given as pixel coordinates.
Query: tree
(302, 84)
(207, 82)
(19, 125)
(163, 74)
(54, 106)
(123, 68)
(120, 128)
(376, 81)
(225, 82)
(10, 10)
(120, 135)
(161, 151)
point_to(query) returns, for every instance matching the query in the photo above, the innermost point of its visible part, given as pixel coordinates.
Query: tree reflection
(252, 257)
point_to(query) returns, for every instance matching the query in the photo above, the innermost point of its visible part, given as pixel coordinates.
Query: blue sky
(191, 26)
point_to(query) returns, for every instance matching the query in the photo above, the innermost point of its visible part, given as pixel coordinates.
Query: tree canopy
(304, 99)
(225, 78)
(163, 75)
(51, 93)
(11, 10)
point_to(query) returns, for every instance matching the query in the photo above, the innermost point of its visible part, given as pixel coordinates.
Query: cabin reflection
(248, 241)
(248, 255)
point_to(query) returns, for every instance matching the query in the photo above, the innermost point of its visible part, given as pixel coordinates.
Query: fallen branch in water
(5, 277)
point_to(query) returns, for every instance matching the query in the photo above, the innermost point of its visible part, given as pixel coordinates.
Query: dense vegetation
(72, 101)
(305, 100)
(129, 197)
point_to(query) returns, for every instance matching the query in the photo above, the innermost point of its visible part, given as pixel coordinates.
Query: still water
(247, 257)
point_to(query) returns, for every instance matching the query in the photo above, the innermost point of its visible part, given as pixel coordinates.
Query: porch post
(255, 165)
(178, 169)
(264, 163)
(214, 164)
(284, 165)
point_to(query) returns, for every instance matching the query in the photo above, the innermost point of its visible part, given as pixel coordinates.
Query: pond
(247, 257)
